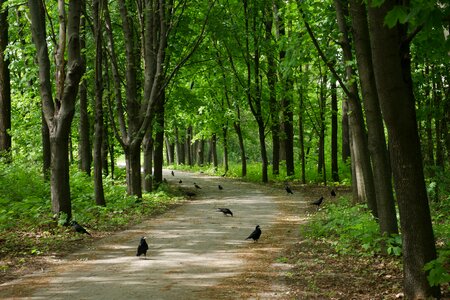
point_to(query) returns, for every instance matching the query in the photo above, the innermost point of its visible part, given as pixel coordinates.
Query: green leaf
(397, 14)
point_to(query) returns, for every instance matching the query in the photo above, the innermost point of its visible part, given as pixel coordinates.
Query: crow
(317, 202)
(255, 234)
(181, 181)
(225, 211)
(190, 194)
(288, 190)
(333, 193)
(220, 187)
(78, 228)
(142, 248)
(196, 186)
(173, 174)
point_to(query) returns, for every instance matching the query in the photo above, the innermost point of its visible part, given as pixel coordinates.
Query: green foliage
(351, 229)
(438, 269)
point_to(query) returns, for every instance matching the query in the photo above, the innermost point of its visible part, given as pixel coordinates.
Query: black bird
(196, 186)
(142, 248)
(333, 193)
(220, 187)
(288, 190)
(173, 174)
(255, 234)
(78, 228)
(190, 194)
(225, 211)
(181, 181)
(317, 202)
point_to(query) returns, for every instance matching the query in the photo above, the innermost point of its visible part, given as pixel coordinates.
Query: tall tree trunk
(179, 148)
(84, 143)
(5, 86)
(390, 52)
(301, 133)
(345, 147)
(46, 152)
(288, 125)
(98, 127)
(376, 139)
(133, 169)
(363, 167)
(334, 132)
(188, 145)
(201, 152)
(59, 113)
(159, 142)
(237, 128)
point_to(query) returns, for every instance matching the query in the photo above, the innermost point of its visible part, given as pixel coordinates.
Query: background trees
(246, 87)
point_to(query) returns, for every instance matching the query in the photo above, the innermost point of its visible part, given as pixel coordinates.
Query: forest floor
(198, 253)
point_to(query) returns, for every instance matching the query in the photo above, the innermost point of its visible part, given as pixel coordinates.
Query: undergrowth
(351, 230)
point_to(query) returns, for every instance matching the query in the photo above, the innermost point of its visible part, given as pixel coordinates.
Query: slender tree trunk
(46, 151)
(363, 167)
(180, 148)
(390, 53)
(159, 142)
(334, 132)
(98, 127)
(84, 143)
(188, 145)
(345, 147)
(213, 148)
(201, 152)
(225, 148)
(147, 146)
(376, 139)
(301, 133)
(237, 128)
(5, 87)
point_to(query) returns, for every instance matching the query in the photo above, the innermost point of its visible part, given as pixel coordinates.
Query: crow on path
(220, 187)
(317, 202)
(173, 174)
(142, 248)
(288, 190)
(225, 211)
(333, 193)
(190, 194)
(196, 186)
(255, 234)
(78, 228)
(181, 181)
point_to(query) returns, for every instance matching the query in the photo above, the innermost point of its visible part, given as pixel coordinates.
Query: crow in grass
(142, 248)
(288, 190)
(78, 228)
(220, 187)
(255, 234)
(317, 202)
(196, 186)
(173, 174)
(225, 211)
(333, 193)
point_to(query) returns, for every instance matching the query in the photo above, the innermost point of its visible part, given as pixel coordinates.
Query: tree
(5, 85)
(391, 63)
(59, 110)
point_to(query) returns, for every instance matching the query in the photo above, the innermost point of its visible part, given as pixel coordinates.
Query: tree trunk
(301, 133)
(376, 139)
(345, 147)
(133, 169)
(59, 113)
(225, 148)
(159, 142)
(147, 146)
(334, 132)
(46, 151)
(390, 53)
(237, 128)
(201, 152)
(363, 167)
(5, 87)
(213, 148)
(180, 148)
(98, 127)
(188, 145)
(84, 143)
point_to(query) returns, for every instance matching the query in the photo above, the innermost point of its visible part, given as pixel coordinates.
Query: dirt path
(194, 251)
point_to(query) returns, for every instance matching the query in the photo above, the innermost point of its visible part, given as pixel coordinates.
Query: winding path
(193, 248)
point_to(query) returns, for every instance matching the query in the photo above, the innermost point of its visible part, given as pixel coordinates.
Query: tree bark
(376, 139)
(147, 146)
(59, 114)
(334, 132)
(159, 142)
(84, 143)
(392, 72)
(5, 86)
(98, 126)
